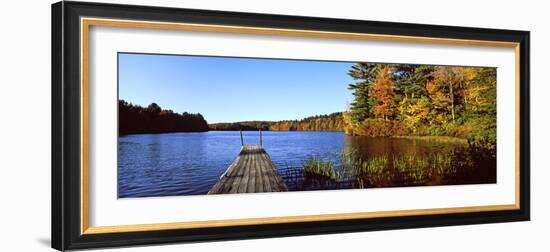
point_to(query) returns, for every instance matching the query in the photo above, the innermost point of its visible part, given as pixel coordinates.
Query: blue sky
(227, 89)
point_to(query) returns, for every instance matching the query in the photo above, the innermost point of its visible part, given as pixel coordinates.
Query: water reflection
(191, 163)
(394, 162)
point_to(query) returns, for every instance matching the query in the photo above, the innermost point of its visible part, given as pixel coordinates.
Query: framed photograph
(180, 125)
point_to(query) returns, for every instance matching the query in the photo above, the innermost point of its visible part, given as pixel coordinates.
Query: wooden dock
(251, 172)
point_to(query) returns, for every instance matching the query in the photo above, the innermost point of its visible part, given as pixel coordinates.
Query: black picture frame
(66, 114)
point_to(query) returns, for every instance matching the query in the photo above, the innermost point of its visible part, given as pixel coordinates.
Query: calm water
(191, 163)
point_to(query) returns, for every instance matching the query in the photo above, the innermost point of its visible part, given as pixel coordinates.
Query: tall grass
(377, 170)
(438, 163)
(373, 165)
(417, 169)
(441, 139)
(352, 162)
(317, 167)
(365, 170)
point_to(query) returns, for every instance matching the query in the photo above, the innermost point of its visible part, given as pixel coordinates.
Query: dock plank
(250, 186)
(252, 171)
(259, 185)
(265, 176)
(236, 179)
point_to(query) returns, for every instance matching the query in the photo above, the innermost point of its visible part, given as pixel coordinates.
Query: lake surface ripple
(191, 163)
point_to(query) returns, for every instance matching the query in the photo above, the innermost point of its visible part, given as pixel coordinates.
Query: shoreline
(437, 138)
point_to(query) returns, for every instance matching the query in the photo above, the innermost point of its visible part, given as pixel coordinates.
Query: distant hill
(330, 122)
(134, 119)
(248, 125)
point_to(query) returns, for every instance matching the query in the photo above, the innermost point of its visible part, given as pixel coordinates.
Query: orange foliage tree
(383, 91)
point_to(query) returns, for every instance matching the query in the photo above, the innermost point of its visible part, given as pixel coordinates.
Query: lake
(191, 163)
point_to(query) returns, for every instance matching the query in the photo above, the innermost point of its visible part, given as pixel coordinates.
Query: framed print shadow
(180, 125)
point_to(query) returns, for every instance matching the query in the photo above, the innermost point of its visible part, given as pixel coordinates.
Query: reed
(373, 165)
(419, 168)
(436, 162)
(441, 139)
(319, 167)
(377, 169)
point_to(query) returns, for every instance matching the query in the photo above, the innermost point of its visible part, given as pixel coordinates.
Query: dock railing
(242, 139)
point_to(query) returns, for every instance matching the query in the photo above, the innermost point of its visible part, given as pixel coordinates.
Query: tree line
(389, 100)
(394, 99)
(330, 122)
(134, 119)
(246, 125)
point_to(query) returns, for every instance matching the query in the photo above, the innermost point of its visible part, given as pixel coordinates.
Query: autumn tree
(330, 122)
(349, 127)
(415, 113)
(480, 100)
(447, 88)
(364, 104)
(480, 90)
(383, 92)
(411, 80)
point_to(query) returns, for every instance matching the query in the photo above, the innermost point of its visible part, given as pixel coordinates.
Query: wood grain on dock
(251, 172)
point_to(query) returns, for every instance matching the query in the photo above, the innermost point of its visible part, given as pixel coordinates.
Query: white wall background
(25, 124)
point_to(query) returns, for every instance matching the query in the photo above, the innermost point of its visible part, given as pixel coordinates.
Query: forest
(134, 119)
(400, 100)
(330, 122)
(388, 100)
(246, 125)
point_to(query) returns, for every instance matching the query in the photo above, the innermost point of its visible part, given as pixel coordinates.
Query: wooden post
(260, 137)
(242, 142)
